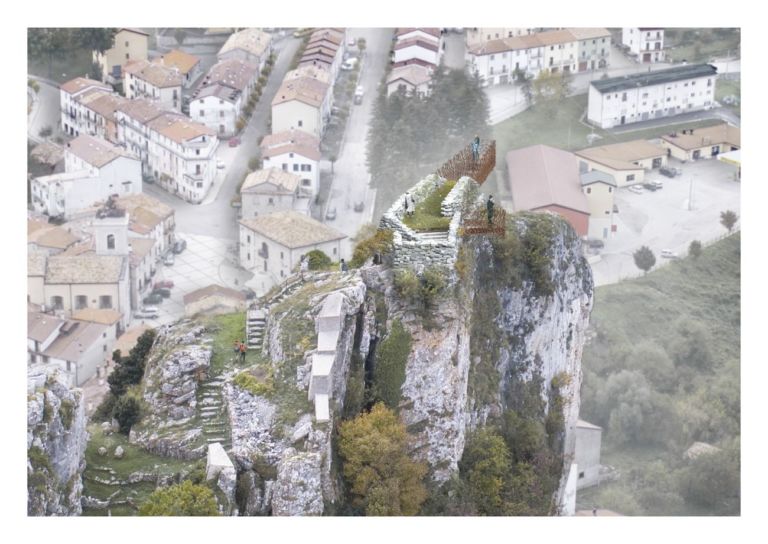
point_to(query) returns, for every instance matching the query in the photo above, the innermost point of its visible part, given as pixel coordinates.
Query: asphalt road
(215, 216)
(351, 176)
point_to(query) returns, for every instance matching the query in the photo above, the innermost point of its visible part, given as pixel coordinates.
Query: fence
(477, 223)
(464, 164)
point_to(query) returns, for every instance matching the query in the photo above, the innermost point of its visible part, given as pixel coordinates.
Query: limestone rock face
(56, 440)
(297, 489)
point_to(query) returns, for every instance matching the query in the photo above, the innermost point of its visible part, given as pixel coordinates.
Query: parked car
(359, 93)
(349, 64)
(149, 179)
(330, 214)
(351, 42)
(220, 164)
(146, 313)
(595, 243)
(668, 254)
(153, 298)
(636, 189)
(658, 184)
(163, 284)
(169, 260)
(234, 142)
(669, 172)
(179, 246)
(359, 206)
(650, 186)
(165, 293)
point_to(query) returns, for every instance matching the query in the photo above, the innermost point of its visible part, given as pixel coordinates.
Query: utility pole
(690, 194)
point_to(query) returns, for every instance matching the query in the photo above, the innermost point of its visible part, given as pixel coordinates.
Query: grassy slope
(706, 291)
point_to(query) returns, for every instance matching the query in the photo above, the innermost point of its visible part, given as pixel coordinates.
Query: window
(127, 56)
(295, 167)
(197, 169)
(493, 56)
(221, 102)
(105, 302)
(285, 166)
(281, 255)
(271, 201)
(306, 167)
(202, 112)
(610, 189)
(221, 114)
(623, 97)
(249, 256)
(631, 177)
(589, 190)
(197, 152)
(301, 123)
(334, 251)
(249, 240)
(645, 95)
(709, 83)
(105, 346)
(199, 184)
(81, 301)
(693, 83)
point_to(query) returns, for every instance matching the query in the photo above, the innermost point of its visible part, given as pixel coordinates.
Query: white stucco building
(251, 45)
(178, 152)
(94, 169)
(74, 117)
(153, 81)
(301, 104)
(325, 49)
(188, 66)
(646, 43)
(588, 442)
(650, 95)
(296, 152)
(269, 190)
(271, 245)
(413, 79)
(566, 50)
(128, 44)
(219, 100)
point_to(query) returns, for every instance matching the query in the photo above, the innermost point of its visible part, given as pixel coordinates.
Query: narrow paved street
(216, 217)
(45, 110)
(351, 176)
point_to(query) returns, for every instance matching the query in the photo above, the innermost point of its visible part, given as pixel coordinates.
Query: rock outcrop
(56, 440)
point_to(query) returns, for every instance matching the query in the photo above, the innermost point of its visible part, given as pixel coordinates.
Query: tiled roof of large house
(49, 236)
(213, 290)
(622, 156)
(78, 84)
(319, 50)
(142, 110)
(252, 40)
(336, 35)
(307, 90)
(218, 90)
(318, 59)
(144, 212)
(291, 141)
(415, 74)
(79, 337)
(48, 153)
(179, 128)
(40, 326)
(275, 176)
(311, 71)
(419, 42)
(431, 31)
(657, 77)
(36, 263)
(538, 39)
(103, 316)
(700, 137)
(323, 42)
(155, 74)
(541, 176)
(231, 72)
(63, 269)
(292, 229)
(96, 152)
(175, 58)
(106, 104)
(140, 248)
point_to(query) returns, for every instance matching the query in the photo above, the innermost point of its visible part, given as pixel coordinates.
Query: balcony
(263, 254)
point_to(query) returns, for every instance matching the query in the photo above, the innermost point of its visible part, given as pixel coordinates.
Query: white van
(359, 93)
(349, 64)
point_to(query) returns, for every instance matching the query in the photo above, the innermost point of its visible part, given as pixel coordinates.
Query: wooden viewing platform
(463, 164)
(477, 223)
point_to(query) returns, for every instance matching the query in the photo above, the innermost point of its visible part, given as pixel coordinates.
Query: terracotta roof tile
(286, 181)
(179, 59)
(63, 269)
(292, 229)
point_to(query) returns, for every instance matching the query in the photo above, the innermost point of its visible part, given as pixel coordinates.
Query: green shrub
(433, 283)
(67, 413)
(240, 124)
(318, 260)
(106, 407)
(184, 499)
(380, 242)
(254, 163)
(127, 412)
(391, 359)
(248, 382)
(407, 285)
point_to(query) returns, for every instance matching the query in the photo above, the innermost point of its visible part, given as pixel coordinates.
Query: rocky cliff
(56, 440)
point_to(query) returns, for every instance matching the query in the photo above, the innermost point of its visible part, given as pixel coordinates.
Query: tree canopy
(644, 258)
(382, 479)
(728, 219)
(184, 499)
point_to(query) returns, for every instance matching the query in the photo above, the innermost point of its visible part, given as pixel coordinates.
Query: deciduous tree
(184, 499)
(644, 259)
(728, 219)
(383, 480)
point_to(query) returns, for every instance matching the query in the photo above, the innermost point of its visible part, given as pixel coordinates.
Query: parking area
(205, 260)
(668, 218)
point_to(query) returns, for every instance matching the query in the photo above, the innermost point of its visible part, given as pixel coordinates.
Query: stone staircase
(439, 236)
(213, 413)
(255, 324)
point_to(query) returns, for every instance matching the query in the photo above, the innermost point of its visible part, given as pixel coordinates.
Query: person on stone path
(344, 267)
(411, 203)
(242, 351)
(476, 148)
(489, 208)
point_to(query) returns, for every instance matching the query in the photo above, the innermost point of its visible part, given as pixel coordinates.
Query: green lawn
(726, 87)
(702, 44)
(428, 215)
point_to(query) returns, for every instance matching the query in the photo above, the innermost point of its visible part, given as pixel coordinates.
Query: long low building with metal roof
(650, 95)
